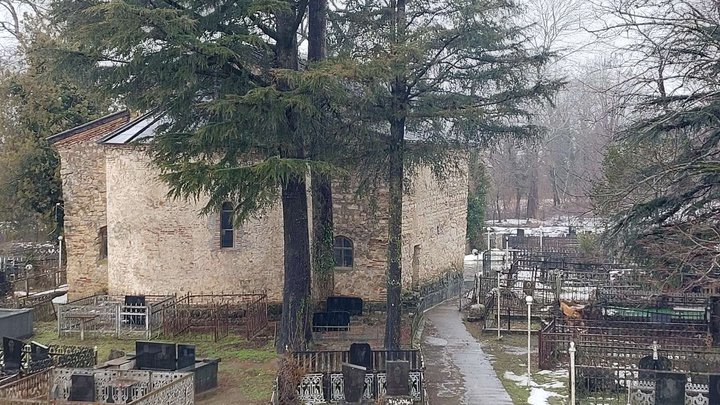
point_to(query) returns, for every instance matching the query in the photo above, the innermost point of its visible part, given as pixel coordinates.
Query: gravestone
(156, 356)
(82, 388)
(323, 321)
(39, 352)
(351, 305)
(12, 354)
(361, 355)
(521, 232)
(398, 378)
(714, 388)
(715, 320)
(648, 365)
(353, 382)
(670, 389)
(185, 356)
(134, 301)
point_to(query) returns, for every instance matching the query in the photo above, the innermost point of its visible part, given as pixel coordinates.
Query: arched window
(226, 225)
(343, 252)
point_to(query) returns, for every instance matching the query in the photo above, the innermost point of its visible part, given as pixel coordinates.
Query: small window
(226, 225)
(103, 242)
(343, 252)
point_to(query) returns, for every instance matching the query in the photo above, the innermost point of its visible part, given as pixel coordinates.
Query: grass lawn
(509, 359)
(246, 372)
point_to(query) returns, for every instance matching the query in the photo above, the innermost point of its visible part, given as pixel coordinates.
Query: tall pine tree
(441, 73)
(242, 120)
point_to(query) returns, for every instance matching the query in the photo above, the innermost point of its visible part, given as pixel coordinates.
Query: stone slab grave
(12, 354)
(82, 388)
(16, 323)
(331, 321)
(714, 389)
(156, 356)
(670, 389)
(351, 305)
(185, 356)
(398, 378)
(353, 382)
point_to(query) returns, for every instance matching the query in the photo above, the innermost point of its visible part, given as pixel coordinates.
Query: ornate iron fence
(606, 343)
(110, 315)
(623, 386)
(216, 314)
(323, 381)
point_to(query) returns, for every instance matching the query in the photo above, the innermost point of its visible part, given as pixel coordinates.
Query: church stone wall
(434, 226)
(160, 245)
(82, 170)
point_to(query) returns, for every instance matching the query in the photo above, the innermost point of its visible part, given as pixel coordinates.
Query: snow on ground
(539, 393)
(553, 227)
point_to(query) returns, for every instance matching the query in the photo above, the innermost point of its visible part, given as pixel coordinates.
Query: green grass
(246, 371)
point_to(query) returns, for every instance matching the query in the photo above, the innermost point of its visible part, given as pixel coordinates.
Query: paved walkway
(457, 370)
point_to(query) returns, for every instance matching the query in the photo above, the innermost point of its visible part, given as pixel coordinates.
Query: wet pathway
(457, 370)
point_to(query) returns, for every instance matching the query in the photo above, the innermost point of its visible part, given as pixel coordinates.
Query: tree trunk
(295, 329)
(323, 259)
(295, 320)
(394, 276)
(532, 195)
(396, 175)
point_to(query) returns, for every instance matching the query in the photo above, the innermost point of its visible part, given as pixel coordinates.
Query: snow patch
(539, 393)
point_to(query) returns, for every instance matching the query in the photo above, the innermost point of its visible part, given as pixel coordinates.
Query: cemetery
(627, 341)
(155, 373)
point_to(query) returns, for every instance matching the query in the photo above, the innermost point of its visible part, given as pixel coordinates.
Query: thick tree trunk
(295, 329)
(323, 259)
(295, 321)
(396, 151)
(394, 276)
(533, 195)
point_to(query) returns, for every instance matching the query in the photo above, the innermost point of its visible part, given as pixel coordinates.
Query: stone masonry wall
(434, 226)
(159, 245)
(366, 226)
(82, 171)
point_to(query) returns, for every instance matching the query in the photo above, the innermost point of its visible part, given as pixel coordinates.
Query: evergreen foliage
(439, 76)
(37, 103)
(662, 177)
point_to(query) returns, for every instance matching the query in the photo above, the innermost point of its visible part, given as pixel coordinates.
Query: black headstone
(12, 354)
(361, 355)
(352, 305)
(134, 301)
(156, 356)
(670, 389)
(39, 352)
(336, 320)
(353, 382)
(82, 388)
(520, 232)
(398, 378)
(715, 320)
(647, 365)
(186, 356)
(714, 388)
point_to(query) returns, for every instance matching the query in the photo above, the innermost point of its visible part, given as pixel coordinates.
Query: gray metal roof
(139, 130)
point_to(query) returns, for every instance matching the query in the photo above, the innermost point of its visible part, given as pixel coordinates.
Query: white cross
(655, 348)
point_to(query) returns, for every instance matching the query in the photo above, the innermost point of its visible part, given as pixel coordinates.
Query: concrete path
(457, 370)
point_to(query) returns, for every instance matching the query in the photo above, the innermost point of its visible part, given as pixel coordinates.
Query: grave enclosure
(635, 344)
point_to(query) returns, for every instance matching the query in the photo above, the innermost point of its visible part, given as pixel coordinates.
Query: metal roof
(139, 130)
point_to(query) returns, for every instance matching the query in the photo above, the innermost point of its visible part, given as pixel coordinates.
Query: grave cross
(655, 348)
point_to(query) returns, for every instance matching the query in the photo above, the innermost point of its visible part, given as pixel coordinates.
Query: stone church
(125, 236)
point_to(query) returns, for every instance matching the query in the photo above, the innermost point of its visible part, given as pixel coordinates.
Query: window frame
(343, 252)
(227, 211)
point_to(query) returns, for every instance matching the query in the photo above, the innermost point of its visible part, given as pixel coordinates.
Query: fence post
(572, 351)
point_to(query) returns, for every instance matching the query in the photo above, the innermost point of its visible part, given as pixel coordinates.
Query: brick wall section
(163, 246)
(82, 170)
